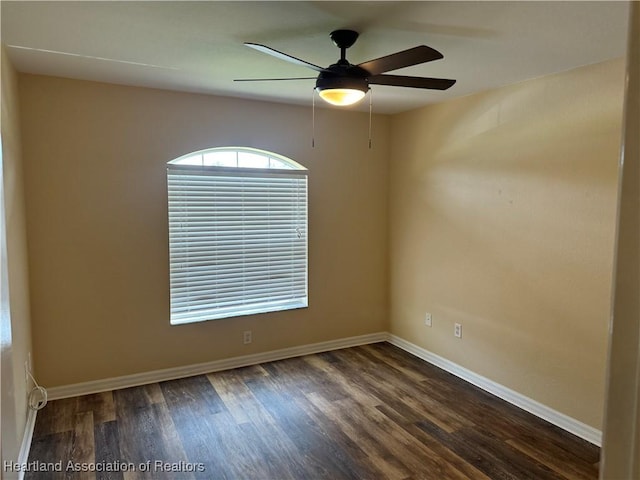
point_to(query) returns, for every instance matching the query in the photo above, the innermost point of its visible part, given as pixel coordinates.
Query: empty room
(320, 240)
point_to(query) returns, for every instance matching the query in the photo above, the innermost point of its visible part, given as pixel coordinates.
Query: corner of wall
(16, 319)
(621, 447)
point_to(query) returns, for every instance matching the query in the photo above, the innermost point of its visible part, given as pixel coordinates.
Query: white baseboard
(561, 420)
(208, 367)
(25, 446)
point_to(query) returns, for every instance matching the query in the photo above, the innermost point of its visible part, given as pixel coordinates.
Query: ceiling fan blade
(283, 56)
(414, 82)
(405, 58)
(271, 79)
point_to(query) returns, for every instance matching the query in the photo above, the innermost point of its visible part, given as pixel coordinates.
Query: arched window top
(237, 157)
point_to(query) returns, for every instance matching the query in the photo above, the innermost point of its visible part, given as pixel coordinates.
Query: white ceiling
(198, 46)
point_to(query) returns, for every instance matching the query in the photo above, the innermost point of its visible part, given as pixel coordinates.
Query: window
(237, 234)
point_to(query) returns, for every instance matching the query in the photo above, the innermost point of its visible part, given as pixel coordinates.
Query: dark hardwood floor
(370, 412)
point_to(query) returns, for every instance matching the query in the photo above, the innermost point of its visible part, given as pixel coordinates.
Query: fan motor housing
(327, 80)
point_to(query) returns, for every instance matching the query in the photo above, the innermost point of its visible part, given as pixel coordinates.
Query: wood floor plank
(100, 405)
(403, 395)
(323, 458)
(354, 389)
(536, 430)
(307, 378)
(555, 459)
(228, 391)
(387, 464)
(192, 393)
(60, 417)
(148, 423)
(509, 460)
(202, 424)
(335, 431)
(49, 449)
(491, 456)
(414, 454)
(382, 355)
(437, 447)
(107, 450)
(371, 412)
(82, 447)
(271, 452)
(153, 393)
(238, 398)
(276, 444)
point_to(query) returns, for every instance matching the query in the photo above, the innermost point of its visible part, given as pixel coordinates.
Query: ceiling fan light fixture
(341, 96)
(341, 91)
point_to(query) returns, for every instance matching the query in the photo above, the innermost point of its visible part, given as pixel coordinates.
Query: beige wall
(621, 445)
(95, 174)
(502, 218)
(16, 325)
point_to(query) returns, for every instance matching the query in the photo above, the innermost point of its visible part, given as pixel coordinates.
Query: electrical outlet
(246, 338)
(427, 319)
(457, 330)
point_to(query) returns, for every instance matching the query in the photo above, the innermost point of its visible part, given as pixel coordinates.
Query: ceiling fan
(345, 84)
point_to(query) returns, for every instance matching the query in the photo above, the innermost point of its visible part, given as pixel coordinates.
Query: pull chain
(370, 109)
(313, 118)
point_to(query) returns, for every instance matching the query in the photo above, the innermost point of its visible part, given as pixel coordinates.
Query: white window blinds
(237, 241)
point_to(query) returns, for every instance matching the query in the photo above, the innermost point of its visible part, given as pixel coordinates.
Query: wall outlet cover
(427, 319)
(457, 330)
